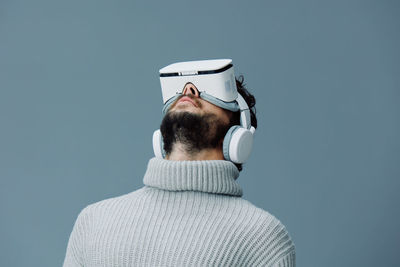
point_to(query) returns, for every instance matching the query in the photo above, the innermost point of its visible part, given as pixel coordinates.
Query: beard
(194, 131)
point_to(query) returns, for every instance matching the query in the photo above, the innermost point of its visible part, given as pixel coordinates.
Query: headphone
(238, 140)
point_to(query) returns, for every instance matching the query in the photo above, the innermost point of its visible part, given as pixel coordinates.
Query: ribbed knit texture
(189, 213)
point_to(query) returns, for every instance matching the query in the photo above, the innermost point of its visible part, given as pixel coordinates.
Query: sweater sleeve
(271, 245)
(288, 260)
(75, 249)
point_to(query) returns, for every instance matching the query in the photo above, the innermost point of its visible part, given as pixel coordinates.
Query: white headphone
(238, 141)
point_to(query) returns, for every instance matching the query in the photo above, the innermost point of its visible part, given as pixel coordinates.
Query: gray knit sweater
(189, 213)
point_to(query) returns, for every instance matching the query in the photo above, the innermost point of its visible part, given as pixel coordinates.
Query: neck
(180, 152)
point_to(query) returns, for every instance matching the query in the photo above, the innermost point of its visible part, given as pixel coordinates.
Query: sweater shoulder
(108, 203)
(261, 212)
(260, 216)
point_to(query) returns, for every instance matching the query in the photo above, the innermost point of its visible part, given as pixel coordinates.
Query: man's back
(189, 213)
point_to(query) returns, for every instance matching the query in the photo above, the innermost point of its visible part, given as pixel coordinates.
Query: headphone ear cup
(237, 145)
(227, 141)
(158, 144)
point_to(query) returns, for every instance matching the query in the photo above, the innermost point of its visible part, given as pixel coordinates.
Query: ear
(234, 118)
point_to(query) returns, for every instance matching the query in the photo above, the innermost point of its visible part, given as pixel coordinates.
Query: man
(190, 211)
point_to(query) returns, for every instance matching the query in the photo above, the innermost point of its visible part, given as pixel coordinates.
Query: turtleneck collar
(210, 176)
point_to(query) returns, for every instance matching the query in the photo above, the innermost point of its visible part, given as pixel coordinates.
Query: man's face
(194, 122)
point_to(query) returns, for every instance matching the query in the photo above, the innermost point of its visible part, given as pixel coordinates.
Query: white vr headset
(215, 81)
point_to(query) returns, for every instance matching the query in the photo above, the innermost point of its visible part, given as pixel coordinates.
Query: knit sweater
(189, 213)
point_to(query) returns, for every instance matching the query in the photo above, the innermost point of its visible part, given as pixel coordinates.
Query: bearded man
(190, 211)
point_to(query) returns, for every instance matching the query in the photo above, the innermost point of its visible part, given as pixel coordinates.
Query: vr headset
(215, 81)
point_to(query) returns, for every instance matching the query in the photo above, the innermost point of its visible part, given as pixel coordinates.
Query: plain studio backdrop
(80, 98)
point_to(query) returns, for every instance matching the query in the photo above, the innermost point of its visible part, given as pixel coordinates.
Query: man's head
(193, 124)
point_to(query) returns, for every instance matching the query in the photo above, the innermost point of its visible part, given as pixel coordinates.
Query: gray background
(80, 99)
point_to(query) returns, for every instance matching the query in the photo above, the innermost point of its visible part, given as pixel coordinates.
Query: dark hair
(251, 102)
